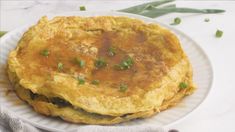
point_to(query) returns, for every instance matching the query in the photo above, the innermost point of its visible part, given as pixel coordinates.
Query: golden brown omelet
(99, 70)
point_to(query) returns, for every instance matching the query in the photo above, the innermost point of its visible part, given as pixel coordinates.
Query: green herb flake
(219, 34)
(82, 8)
(183, 85)
(60, 66)
(177, 21)
(206, 20)
(45, 52)
(112, 51)
(100, 62)
(125, 64)
(80, 62)
(95, 82)
(81, 80)
(123, 87)
(2, 33)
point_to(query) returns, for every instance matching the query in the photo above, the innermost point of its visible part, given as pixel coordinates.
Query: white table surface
(217, 112)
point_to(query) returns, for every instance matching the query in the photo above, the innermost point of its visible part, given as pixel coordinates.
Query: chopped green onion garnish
(82, 8)
(81, 80)
(140, 8)
(79, 62)
(100, 62)
(183, 85)
(123, 87)
(177, 21)
(95, 82)
(125, 64)
(206, 20)
(111, 51)
(219, 34)
(2, 33)
(45, 52)
(60, 66)
(156, 12)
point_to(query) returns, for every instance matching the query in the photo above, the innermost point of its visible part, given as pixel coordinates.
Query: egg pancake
(104, 70)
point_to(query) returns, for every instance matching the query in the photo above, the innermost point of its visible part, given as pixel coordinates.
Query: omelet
(99, 70)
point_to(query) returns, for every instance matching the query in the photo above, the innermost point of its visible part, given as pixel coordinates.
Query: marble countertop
(217, 112)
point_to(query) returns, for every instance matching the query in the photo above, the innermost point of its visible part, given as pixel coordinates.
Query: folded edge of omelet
(78, 115)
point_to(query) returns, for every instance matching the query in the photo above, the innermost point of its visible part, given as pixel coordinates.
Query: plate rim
(115, 13)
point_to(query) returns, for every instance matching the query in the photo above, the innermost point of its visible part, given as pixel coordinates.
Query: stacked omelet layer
(99, 70)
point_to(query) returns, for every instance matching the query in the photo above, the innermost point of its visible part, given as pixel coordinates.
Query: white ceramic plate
(201, 67)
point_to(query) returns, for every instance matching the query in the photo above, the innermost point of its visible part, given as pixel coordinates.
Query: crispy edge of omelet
(81, 116)
(100, 110)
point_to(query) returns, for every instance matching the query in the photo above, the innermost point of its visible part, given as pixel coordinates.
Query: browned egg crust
(99, 70)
